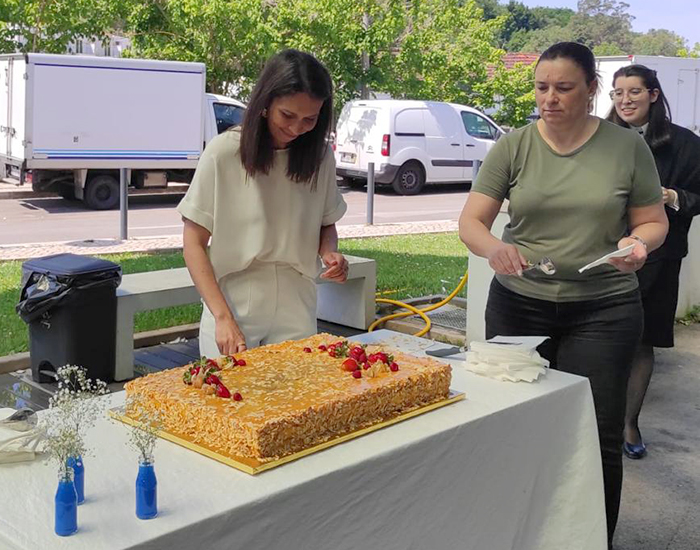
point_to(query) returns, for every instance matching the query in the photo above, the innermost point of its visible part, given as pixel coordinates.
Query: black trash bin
(70, 305)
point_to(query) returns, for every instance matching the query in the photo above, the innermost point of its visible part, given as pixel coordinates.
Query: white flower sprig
(144, 434)
(73, 409)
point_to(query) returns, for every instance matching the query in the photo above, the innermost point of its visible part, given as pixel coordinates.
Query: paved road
(45, 220)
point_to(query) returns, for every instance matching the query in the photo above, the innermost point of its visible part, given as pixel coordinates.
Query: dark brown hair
(658, 132)
(286, 73)
(573, 51)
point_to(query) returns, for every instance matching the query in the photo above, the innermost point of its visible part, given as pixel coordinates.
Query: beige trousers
(271, 303)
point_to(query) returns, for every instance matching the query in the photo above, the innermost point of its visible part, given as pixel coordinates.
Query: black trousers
(593, 338)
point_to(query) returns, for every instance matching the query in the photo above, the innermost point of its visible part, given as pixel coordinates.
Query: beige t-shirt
(570, 208)
(269, 218)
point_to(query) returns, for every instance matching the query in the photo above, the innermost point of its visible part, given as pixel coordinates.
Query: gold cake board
(252, 466)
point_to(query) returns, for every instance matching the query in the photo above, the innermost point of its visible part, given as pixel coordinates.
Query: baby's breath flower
(143, 435)
(73, 409)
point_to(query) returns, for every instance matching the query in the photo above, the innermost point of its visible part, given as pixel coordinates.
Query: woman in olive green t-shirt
(578, 188)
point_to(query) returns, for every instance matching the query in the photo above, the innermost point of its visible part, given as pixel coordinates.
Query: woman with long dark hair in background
(639, 103)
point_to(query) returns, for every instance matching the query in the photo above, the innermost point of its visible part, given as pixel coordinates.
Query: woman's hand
(505, 259)
(633, 261)
(229, 338)
(670, 196)
(336, 267)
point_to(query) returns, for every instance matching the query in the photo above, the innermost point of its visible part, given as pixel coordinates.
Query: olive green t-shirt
(570, 208)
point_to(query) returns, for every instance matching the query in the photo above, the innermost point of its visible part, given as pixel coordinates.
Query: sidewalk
(174, 242)
(661, 493)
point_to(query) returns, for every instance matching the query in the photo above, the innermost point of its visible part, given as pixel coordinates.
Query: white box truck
(71, 122)
(411, 143)
(679, 77)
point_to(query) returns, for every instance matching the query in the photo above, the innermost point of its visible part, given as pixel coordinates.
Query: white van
(411, 143)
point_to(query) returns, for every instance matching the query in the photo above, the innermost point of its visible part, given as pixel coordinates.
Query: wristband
(638, 238)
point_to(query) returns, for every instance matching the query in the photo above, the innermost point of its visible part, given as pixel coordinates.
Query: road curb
(25, 194)
(16, 361)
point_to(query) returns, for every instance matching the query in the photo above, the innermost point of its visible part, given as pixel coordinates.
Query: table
(514, 466)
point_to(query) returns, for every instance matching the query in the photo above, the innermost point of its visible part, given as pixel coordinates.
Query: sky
(679, 16)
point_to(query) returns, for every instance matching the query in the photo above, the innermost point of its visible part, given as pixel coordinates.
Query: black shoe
(634, 452)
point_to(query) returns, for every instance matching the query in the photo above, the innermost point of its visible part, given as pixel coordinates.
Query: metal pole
(370, 193)
(123, 205)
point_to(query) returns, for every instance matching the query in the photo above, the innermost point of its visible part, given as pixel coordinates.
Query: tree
(658, 42)
(608, 48)
(426, 49)
(541, 39)
(553, 16)
(490, 8)
(685, 52)
(334, 31)
(515, 93)
(599, 22)
(52, 25)
(443, 54)
(232, 37)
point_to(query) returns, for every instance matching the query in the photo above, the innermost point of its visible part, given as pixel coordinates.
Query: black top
(678, 163)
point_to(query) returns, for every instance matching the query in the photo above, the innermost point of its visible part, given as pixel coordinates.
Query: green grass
(690, 318)
(408, 266)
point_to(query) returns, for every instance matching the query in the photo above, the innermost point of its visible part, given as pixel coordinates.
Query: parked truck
(69, 123)
(679, 77)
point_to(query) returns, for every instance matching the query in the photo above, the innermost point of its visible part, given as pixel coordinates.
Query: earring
(264, 113)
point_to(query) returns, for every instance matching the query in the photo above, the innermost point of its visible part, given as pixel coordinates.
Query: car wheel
(102, 192)
(410, 179)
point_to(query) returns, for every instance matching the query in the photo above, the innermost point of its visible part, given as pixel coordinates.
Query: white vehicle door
(5, 121)
(479, 137)
(444, 143)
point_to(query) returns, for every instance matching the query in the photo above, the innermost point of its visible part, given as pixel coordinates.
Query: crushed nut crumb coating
(292, 400)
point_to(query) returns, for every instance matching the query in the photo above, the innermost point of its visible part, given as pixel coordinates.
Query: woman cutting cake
(266, 196)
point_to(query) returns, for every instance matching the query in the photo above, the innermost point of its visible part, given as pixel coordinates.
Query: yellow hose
(414, 310)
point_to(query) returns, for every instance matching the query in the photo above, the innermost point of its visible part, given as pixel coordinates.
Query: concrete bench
(350, 304)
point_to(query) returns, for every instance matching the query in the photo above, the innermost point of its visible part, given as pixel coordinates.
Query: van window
(478, 127)
(227, 115)
(409, 122)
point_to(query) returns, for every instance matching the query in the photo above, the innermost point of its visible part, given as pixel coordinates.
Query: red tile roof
(511, 58)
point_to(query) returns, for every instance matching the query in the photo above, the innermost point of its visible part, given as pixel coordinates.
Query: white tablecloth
(512, 467)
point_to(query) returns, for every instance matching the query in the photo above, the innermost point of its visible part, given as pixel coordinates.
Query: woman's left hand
(336, 267)
(632, 262)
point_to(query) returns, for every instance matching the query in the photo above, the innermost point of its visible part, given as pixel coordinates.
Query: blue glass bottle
(146, 491)
(78, 476)
(66, 505)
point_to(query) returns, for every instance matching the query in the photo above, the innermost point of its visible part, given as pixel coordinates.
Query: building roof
(511, 58)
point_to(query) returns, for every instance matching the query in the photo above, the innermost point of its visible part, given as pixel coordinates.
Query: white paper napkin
(17, 446)
(621, 253)
(508, 358)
